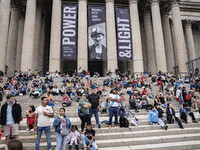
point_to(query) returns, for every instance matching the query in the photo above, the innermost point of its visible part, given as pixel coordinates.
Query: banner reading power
(123, 29)
(96, 33)
(69, 32)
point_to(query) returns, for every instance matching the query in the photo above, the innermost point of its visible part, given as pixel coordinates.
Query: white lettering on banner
(124, 37)
(69, 25)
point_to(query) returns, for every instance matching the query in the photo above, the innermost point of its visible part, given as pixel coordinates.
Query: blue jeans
(86, 142)
(95, 111)
(113, 111)
(60, 141)
(47, 131)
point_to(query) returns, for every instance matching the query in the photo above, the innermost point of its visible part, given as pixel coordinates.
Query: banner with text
(69, 32)
(123, 32)
(96, 33)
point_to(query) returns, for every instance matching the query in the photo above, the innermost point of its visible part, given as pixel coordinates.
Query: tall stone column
(12, 41)
(28, 38)
(151, 56)
(136, 37)
(174, 43)
(42, 46)
(19, 44)
(168, 42)
(179, 38)
(190, 40)
(158, 36)
(111, 36)
(54, 60)
(37, 38)
(5, 16)
(82, 60)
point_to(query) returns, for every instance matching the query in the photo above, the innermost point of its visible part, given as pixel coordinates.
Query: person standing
(95, 101)
(62, 126)
(84, 114)
(42, 118)
(11, 114)
(114, 110)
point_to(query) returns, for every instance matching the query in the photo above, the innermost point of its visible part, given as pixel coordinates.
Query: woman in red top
(159, 85)
(144, 92)
(30, 114)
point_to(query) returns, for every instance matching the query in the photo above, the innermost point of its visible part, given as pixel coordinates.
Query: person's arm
(99, 104)
(56, 122)
(116, 100)
(35, 121)
(90, 142)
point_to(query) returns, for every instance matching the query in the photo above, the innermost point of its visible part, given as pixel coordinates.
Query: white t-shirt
(114, 103)
(43, 121)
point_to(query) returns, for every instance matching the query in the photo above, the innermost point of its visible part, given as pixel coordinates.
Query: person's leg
(161, 123)
(58, 141)
(47, 133)
(39, 134)
(88, 119)
(64, 141)
(111, 115)
(96, 114)
(184, 117)
(82, 123)
(83, 138)
(179, 122)
(116, 116)
(94, 145)
(192, 116)
(91, 110)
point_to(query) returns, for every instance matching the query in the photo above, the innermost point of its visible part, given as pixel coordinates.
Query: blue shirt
(9, 117)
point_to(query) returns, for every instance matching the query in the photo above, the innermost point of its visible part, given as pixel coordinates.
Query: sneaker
(27, 129)
(194, 121)
(182, 127)
(166, 127)
(109, 126)
(116, 125)
(31, 129)
(99, 126)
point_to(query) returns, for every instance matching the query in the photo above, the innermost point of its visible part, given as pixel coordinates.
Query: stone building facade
(165, 35)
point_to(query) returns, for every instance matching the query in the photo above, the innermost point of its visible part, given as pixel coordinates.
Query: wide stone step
(186, 145)
(131, 142)
(117, 135)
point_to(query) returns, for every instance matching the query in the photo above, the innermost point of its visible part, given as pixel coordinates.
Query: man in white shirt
(114, 106)
(42, 118)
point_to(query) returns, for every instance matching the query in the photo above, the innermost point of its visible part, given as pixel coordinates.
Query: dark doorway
(68, 67)
(95, 66)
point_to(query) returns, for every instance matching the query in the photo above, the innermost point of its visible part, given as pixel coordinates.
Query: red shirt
(144, 92)
(159, 83)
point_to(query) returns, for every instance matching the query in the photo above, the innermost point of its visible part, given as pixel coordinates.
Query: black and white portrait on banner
(96, 33)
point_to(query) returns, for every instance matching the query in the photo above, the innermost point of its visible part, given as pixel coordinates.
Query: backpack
(123, 122)
(188, 97)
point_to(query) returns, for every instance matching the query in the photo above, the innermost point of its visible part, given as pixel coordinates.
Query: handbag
(80, 113)
(64, 132)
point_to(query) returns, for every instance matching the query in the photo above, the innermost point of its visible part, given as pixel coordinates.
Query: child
(74, 137)
(30, 114)
(107, 105)
(122, 99)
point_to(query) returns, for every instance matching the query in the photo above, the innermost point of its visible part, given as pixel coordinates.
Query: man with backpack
(114, 107)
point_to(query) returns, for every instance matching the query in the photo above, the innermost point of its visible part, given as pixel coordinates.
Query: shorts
(12, 129)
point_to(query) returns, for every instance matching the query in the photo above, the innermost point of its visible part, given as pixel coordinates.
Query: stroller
(124, 111)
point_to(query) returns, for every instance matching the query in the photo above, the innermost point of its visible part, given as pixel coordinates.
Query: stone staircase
(143, 136)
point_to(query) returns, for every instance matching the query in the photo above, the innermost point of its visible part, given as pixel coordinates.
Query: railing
(193, 65)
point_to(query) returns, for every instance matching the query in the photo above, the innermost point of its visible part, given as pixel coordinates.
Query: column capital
(109, 1)
(133, 2)
(188, 23)
(154, 2)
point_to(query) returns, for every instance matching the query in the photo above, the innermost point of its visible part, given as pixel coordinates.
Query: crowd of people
(119, 92)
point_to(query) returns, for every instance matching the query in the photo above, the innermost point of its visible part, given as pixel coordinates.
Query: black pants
(147, 106)
(184, 116)
(84, 119)
(169, 119)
